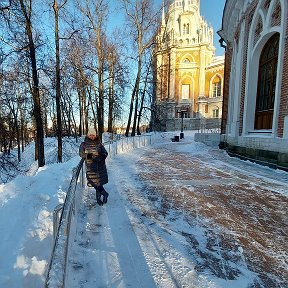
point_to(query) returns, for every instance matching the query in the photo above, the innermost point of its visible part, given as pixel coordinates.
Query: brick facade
(246, 33)
(284, 89)
(227, 71)
(250, 12)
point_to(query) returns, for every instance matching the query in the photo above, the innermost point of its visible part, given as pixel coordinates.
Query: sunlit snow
(143, 236)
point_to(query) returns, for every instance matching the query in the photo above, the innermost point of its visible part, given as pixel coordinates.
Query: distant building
(188, 76)
(255, 109)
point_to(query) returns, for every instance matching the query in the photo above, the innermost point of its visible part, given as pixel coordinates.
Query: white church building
(188, 76)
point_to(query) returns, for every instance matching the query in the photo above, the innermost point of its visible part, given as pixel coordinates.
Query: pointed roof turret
(163, 16)
(185, 6)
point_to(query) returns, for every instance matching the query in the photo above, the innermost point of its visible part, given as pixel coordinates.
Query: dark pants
(100, 191)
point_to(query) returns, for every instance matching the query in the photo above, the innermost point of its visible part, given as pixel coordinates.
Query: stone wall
(268, 151)
(201, 124)
(210, 139)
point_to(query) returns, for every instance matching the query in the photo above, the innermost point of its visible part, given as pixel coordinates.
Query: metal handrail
(113, 145)
(59, 256)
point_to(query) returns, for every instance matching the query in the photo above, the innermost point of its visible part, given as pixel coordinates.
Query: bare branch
(6, 7)
(69, 37)
(17, 49)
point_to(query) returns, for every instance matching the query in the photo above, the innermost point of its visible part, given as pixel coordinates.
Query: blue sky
(210, 10)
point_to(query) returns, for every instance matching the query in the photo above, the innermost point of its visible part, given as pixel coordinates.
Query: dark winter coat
(95, 154)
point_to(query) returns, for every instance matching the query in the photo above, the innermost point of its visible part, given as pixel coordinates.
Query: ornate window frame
(211, 90)
(253, 56)
(267, 79)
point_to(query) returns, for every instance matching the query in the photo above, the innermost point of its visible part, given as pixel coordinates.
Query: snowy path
(183, 215)
(116, 246)
(106, 252)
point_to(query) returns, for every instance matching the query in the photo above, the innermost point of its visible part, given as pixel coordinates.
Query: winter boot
(98, 198)
(105, 196)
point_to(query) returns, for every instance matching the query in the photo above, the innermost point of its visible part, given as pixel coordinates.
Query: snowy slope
(26, 213)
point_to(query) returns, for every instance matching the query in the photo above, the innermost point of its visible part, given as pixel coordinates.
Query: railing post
(56, 218)
(82, 177)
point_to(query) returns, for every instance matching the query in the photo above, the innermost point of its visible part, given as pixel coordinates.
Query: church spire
(184, 4)
(163, 15)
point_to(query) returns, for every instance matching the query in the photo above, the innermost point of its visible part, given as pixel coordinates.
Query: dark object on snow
(175, 138)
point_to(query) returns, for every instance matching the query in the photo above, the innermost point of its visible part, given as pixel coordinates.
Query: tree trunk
(100, 112)
(58, 83)
(110, 105)
(82, 106)
(135, 113)
(111, 72)
(134, 93)
(142, 100)
(35, 89)
(92, 107)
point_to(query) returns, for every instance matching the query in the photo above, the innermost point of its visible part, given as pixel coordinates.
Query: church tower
(188, 76)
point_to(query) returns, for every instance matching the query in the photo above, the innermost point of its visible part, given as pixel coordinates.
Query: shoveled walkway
(106, 252)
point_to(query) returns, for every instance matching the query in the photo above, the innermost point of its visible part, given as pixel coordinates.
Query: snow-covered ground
(168, 221)
(26, 216)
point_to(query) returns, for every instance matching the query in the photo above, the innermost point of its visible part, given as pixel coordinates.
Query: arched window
(266, 84)
(215, 113)
(185, 93)
(216, 87)
(186, 29)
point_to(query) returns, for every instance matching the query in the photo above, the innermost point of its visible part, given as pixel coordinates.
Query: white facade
(247, 27)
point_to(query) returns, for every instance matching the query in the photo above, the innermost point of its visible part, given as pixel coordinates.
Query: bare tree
(142, 22)
(75, 58)
(111, 58)
(56, 8)
(95, 13)
(146, 84)
(117, 78)
(26, 9)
